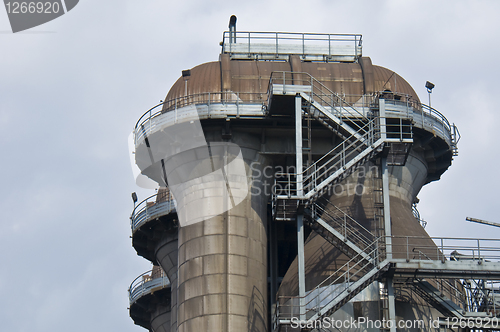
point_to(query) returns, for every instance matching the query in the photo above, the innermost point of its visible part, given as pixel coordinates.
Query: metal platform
(149, 209)
(246, 45)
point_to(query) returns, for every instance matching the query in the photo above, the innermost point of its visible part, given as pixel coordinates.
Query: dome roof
(252, 76)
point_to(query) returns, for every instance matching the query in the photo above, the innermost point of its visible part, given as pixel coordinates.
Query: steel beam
(301, 266)
(392, 305)
(298, 143)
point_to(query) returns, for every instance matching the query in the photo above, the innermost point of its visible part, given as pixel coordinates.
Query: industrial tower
(288, 173)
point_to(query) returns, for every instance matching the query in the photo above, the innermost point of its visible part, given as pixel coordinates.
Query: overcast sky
(71, 91)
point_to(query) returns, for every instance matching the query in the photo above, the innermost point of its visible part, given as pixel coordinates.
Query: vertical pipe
(232, 29)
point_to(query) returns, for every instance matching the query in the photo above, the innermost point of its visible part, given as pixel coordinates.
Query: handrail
(446, 248)
(338, 158)
(146, 283)
(205, 98)
(271, 35)
(150, 208)
(370, 136)
(334, 285)
(417, 216)
(323, 43)
(445, 286)
(328, 290)
(322, 94)
(337, 218)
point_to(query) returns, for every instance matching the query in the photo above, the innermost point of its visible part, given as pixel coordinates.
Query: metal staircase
(367, 262)
(448, 306)
(336, 290)
(333, 167)
(364, 133)
(438, 299)
(339, 229)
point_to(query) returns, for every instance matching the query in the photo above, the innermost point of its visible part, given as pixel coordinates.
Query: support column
(387, 207)
(273, 262)
(300, 217)
(387, 216)
(392, 306)
(385, 184)
(298, 143)
(301, 266)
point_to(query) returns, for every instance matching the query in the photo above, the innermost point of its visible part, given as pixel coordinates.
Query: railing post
(303, 46)
(315, 176)
(289, 188)
(237, 104)
(407, 250)
(348, 277)
(383, 124)
(318, 303)
(175, 111)
(401, 129)
(329, 47)
(422, 110)
(442, 250)
(340, 111)
(345, 227)
(142, 287)
(249, 42)
(276, 44)
(149, 121)
(355, 47)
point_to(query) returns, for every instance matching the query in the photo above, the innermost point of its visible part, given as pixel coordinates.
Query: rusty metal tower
(287, 172)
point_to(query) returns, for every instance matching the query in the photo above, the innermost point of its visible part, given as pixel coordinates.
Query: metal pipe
(232, 29)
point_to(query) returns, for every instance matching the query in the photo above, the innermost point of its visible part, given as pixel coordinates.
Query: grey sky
(71, 91)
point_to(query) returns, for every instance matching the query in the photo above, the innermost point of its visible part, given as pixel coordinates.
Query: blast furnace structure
(288, 174)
